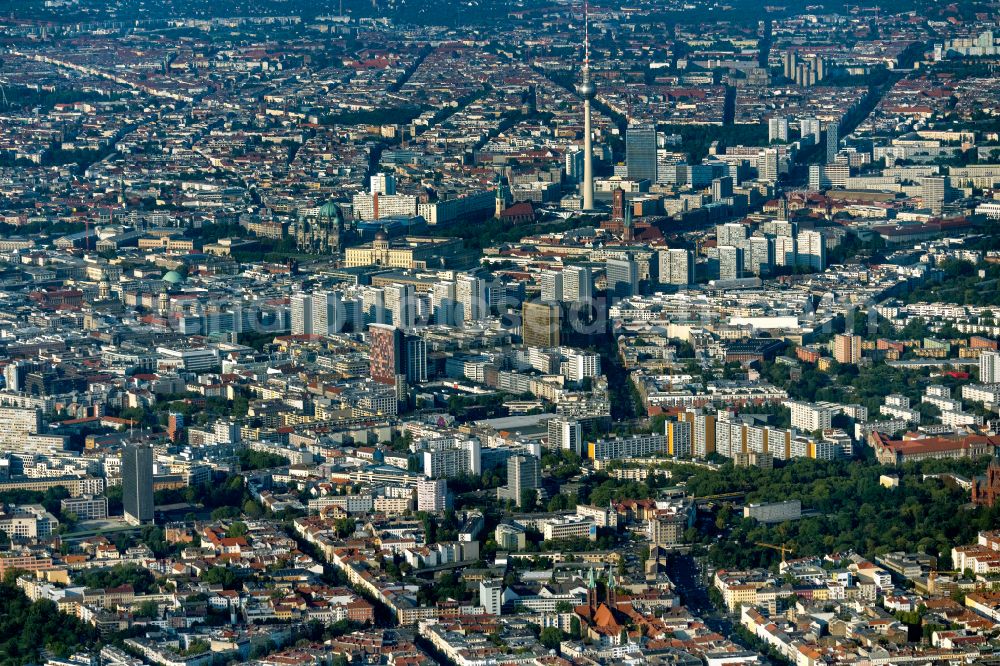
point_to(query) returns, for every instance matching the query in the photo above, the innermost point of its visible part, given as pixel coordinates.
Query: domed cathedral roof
(318, 230)
(381, 235)
(329, 209)
(173, 277)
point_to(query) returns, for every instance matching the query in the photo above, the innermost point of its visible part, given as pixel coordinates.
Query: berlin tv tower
(587, 91)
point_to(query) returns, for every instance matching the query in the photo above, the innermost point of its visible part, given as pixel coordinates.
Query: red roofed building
(910, 233)
(57, 298)
(896, 452)
(519, 213)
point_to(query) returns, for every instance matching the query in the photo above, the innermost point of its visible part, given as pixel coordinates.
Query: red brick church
(986, 489)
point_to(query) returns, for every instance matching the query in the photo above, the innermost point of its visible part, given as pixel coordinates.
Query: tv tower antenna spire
(586, 90)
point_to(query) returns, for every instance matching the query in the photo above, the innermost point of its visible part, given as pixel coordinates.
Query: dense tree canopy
(848, 509)
(139, 578)
(250, 460)
(961, 284)
(50, 499)
(27, 627)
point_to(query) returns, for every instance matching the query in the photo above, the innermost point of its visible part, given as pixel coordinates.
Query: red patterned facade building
(386, 344)
(986, 489)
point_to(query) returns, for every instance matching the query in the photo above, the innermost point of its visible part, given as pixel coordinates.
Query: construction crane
(783, 548)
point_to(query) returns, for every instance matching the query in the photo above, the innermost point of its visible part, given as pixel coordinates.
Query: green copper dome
(329, 209)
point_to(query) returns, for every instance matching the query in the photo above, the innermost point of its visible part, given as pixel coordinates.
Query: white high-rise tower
(587, 91)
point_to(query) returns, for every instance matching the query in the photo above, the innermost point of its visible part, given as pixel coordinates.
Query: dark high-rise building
(540, 324)
(640, 151)
(52, 382)
(722, 188)
(396, 358)
(137, 484)
(415, 358)
(832, 143)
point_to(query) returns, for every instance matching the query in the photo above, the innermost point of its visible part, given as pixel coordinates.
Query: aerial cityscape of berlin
(499, 333)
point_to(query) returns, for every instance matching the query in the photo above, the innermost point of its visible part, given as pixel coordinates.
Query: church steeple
(503, 195)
